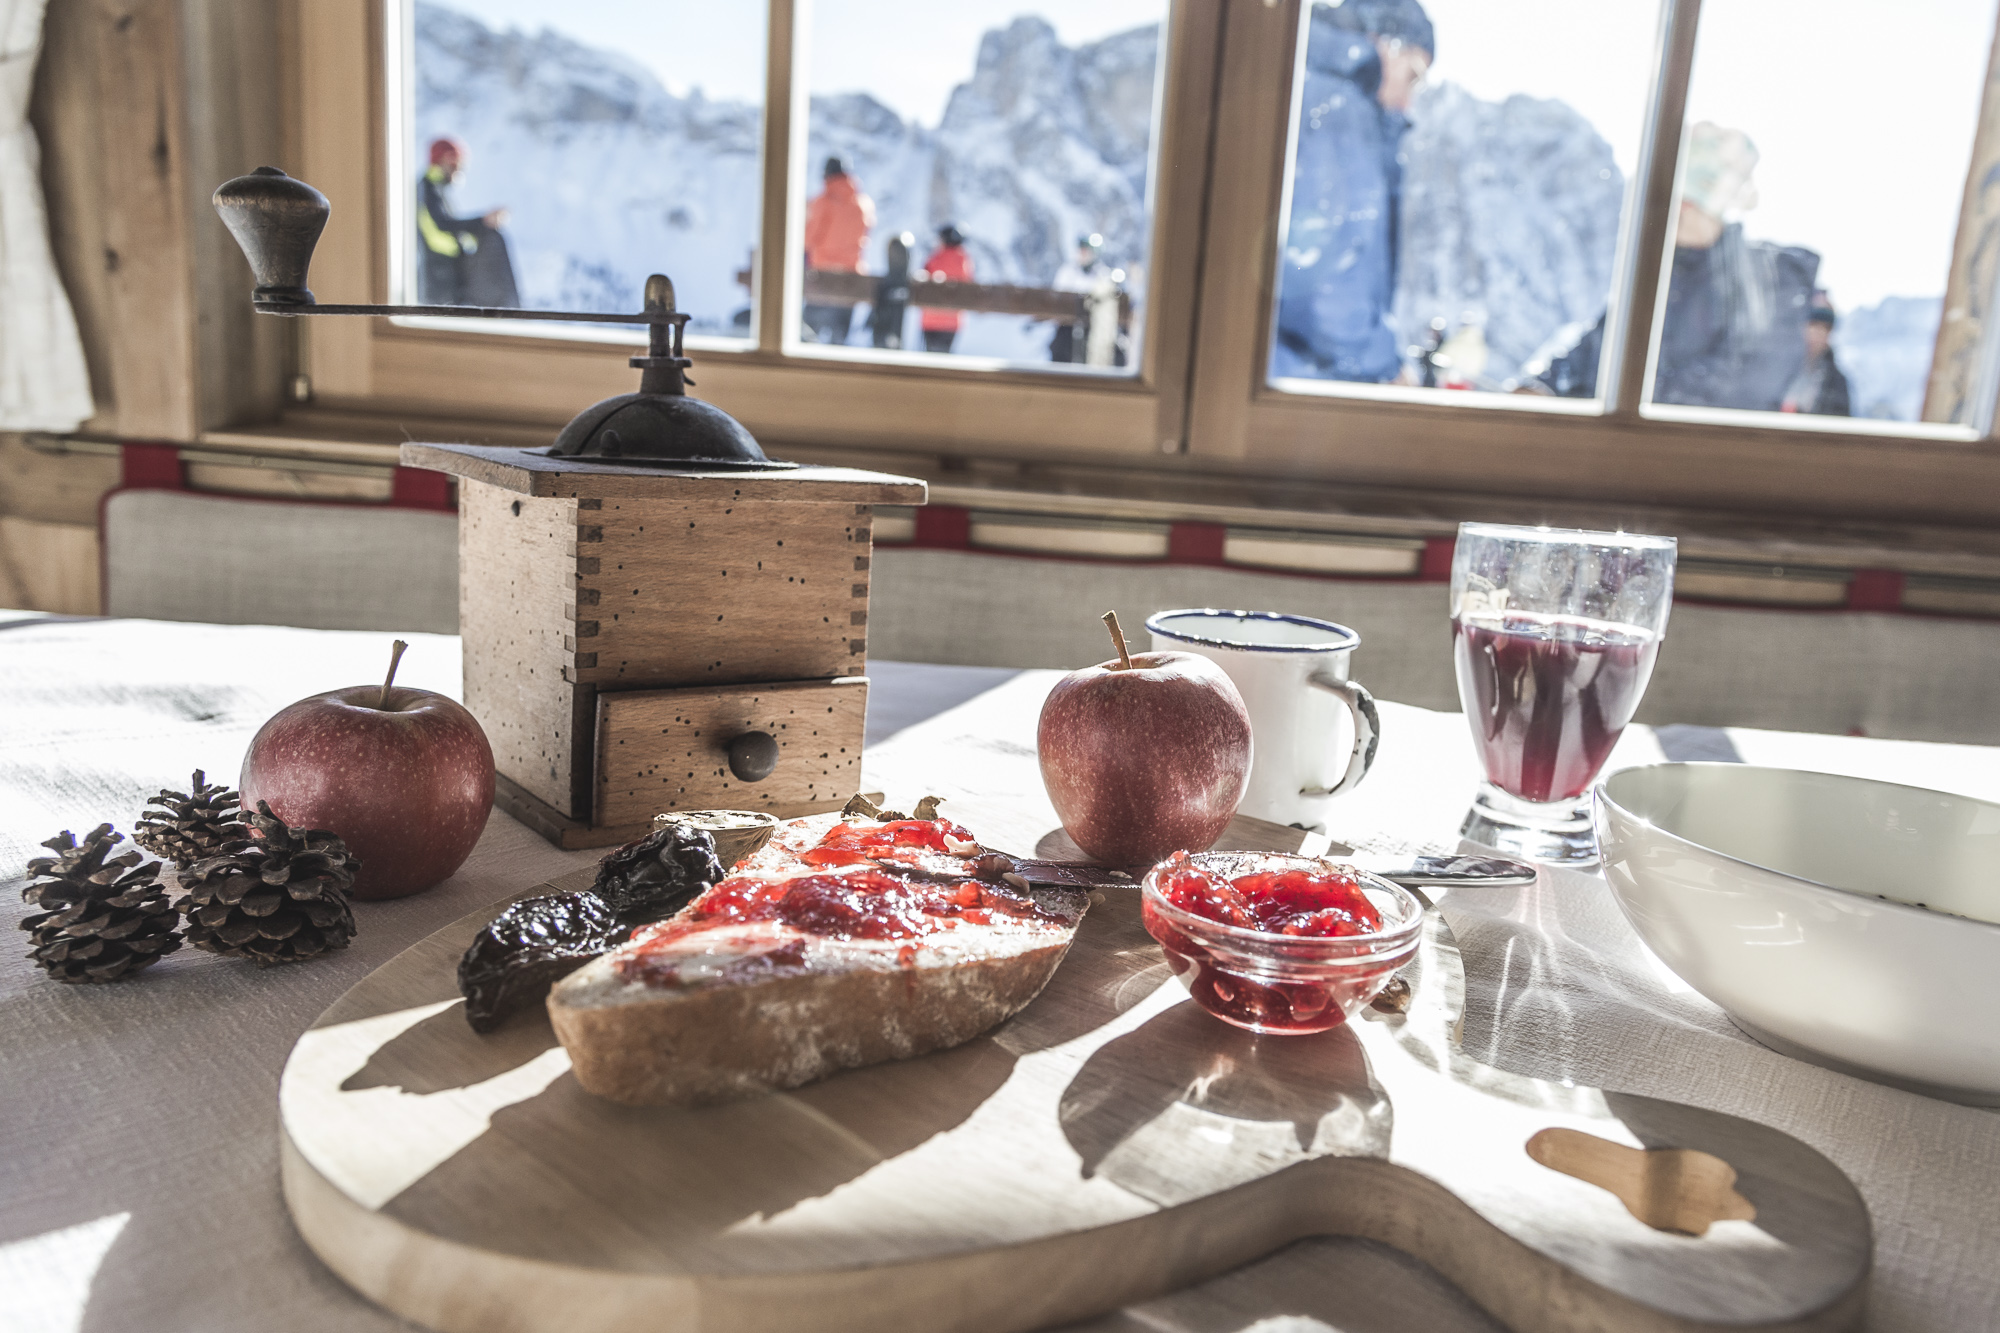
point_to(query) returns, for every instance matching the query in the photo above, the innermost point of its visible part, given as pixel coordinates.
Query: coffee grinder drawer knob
(753, 755)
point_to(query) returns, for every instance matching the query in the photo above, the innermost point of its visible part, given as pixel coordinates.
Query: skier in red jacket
(838, 221)
(948, 263)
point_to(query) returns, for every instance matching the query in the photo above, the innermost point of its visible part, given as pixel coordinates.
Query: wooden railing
(827, 287)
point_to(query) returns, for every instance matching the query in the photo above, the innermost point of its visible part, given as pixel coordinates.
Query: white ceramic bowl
(1852, 923)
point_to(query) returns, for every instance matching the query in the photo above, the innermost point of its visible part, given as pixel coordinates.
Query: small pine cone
(279, 897)
(192, 827)
(107, 918)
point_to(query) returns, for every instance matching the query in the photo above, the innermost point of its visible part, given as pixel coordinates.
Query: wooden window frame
(376, 368)
(1624, 454)
(1198, 405)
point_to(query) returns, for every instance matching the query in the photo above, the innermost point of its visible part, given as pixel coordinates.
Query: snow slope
(606, 175)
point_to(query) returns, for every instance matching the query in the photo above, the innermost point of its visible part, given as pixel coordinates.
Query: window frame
(377, 368)
(1199, 403)
(1415, 440)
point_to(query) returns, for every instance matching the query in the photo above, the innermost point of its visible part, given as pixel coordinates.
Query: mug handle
(1367, 731)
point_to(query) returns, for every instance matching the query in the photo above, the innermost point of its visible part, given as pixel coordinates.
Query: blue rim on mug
(1155, 624)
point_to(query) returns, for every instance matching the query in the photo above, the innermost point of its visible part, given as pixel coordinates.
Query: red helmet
(447, 147)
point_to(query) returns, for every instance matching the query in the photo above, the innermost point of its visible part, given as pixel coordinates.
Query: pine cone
(280, 897)
(107, 916)
(194, 827)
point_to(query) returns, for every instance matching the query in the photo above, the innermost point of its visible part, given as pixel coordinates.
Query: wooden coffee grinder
(655, 615)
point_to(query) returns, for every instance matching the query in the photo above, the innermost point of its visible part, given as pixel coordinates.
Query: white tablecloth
(138, 1122)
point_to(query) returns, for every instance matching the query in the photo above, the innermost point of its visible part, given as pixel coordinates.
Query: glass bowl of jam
(1277, 943)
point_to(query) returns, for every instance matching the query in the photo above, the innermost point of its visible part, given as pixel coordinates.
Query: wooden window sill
(1054, 508)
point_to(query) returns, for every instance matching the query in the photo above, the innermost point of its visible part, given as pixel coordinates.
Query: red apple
(404, 776)
(1144, 756)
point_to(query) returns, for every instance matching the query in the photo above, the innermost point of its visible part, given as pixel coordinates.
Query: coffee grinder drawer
(787, 748)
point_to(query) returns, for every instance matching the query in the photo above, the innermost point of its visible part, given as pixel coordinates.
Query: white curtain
(44, 384)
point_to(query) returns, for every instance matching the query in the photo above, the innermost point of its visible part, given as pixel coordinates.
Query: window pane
(1002, 146)
(1458, 189)
(562, 150)
(1821, 177)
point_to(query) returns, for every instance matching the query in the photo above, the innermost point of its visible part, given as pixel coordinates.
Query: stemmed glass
(1554, 633)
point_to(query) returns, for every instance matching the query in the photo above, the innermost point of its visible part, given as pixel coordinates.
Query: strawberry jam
(861, 905)
(899, 842)
(1320, 948)
(903, 880)
(1322, 900)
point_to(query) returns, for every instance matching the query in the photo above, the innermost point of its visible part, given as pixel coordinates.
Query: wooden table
(138, 1167)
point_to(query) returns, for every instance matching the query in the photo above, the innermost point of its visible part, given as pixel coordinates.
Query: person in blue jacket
(1364, 61)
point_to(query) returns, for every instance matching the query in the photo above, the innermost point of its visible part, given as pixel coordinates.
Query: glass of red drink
(1554, 633)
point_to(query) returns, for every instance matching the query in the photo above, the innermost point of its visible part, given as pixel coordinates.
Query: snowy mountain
(1886, 351)
(608, 176)
(1043, 144)
(1509, 221)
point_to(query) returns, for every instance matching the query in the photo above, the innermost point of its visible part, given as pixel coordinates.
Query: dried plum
(661, 873)
(530, 946)
(537, 942)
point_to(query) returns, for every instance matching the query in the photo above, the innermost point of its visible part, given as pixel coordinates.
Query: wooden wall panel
(142, 153)
(142, 108)
(234, 79)
(53, 482)
(108, 106)
(49, 566)
(337, 147)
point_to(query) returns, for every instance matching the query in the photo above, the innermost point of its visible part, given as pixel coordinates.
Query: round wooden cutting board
(1111, 1143)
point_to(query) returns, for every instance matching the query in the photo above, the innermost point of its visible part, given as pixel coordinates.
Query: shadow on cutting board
(726, 1163)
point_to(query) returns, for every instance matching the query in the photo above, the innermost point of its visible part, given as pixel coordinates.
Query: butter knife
(1412, 872)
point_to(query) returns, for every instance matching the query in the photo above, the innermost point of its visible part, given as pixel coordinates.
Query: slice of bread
(837, 945)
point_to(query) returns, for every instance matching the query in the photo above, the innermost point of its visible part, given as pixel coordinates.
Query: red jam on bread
(838, 944)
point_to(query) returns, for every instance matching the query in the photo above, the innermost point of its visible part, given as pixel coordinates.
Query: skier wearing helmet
(461, 260)
(1364, 62)
(948, 263)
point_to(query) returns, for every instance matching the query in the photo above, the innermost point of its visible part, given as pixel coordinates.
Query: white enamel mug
(1314, 729)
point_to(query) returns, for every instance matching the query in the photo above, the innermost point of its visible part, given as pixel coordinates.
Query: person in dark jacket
(1364, 62)
(1734, 330)
(892, 294)
(1819, 389)
(461, 260)
(1081, 275)
(1733, 334)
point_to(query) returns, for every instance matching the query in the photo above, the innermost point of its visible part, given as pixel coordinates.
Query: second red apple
(1144, 755)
